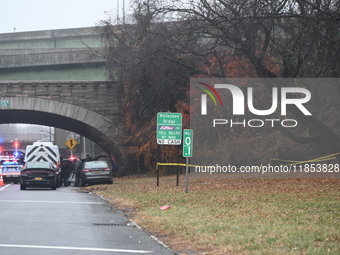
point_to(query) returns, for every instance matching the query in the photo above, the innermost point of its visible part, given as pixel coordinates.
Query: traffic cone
(1, 181)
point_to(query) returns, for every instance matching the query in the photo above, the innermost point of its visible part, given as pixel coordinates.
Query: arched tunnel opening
(58, 121)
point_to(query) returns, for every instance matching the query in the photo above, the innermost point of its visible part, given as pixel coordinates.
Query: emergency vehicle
(44, 152)
(11, 163)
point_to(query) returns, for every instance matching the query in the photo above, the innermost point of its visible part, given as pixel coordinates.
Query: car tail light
(106, 169)
(86, 170)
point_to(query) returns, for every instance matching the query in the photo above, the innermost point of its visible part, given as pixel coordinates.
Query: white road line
(58, 202)
(73, 248)
(4, 187)
(152, 236)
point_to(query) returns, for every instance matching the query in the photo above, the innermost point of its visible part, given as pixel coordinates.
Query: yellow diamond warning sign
(71, 143)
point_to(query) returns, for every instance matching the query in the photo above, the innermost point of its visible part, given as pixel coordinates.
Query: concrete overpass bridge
(54, 78)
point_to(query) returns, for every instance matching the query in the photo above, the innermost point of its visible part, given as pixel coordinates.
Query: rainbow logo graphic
(212, 93)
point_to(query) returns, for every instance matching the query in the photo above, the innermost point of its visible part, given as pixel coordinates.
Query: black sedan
(96, 172)
(38, 174)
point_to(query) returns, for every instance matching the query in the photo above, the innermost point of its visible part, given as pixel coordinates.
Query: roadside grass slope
(233, 216)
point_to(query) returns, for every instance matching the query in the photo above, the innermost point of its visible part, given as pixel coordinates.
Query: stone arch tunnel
(87, 108)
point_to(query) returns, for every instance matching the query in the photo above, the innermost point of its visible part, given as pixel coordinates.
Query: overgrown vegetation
(169, 42)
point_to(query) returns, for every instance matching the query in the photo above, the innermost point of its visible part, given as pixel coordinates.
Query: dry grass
(234, 216)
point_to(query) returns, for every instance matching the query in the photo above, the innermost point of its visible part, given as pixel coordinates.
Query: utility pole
(123, 12)
(118, 11)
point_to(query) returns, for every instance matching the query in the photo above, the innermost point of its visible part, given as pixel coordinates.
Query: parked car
(38, 174)
(96, 172)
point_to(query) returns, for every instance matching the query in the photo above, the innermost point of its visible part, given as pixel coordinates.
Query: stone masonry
(87, 108)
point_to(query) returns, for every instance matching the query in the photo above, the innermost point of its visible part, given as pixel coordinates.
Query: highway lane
(63, 221)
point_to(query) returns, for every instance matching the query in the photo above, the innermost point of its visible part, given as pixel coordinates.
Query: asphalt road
(63, 221)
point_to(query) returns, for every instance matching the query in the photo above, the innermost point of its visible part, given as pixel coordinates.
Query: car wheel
(22, 187)
(54, 187)
(82, 183)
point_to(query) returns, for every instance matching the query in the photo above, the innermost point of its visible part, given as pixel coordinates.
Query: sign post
(71, 143)
(187, 152)
(169, 131)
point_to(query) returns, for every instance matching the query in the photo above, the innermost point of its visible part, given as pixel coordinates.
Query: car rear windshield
(97, 164)
(37, 165)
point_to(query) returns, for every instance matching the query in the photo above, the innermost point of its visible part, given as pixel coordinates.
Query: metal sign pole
(187, 152)
(187, 175)
(158, 148)
(177, 168)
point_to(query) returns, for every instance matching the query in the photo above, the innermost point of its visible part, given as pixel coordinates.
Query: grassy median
(234, 216)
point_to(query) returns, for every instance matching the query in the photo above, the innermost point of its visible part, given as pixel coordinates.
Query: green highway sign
(4, 103)
(187, 142)
(169, 128)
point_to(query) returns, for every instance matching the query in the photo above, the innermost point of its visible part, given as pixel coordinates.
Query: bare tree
(284, 38)
(142, 57)
(172, 41)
